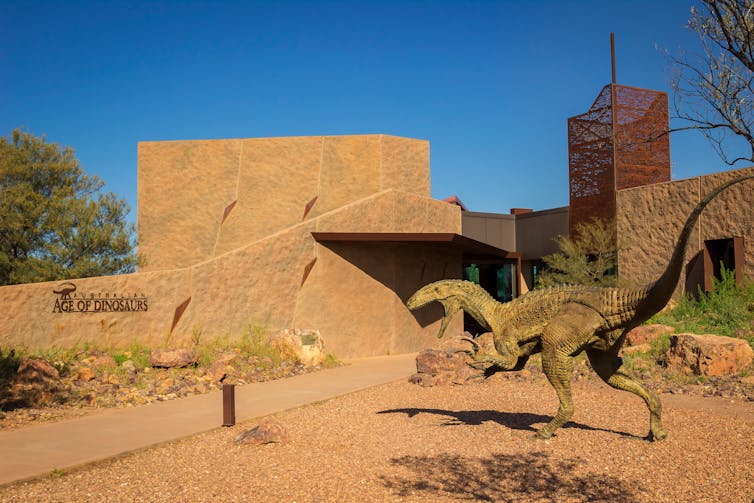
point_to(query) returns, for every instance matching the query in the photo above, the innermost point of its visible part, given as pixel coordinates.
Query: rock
(104, 362)
(748, 380)
(266, 432)
(429, 380)
(217, 371)
(647, 334)
(84, 374)
(708, 355)
(128, 366)
(640, 348)
(164, 386)
(441, 367)
(227, 358)
(90, 399)
(434, 361)
(36, 371)
(170, 358)
(305, 344)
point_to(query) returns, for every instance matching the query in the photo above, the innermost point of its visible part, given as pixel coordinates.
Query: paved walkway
(38, 450)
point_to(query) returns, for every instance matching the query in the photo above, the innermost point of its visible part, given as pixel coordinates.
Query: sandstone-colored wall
(28, 318)
(356, 297)
(651, 217)
(353, 294)
(200, 199)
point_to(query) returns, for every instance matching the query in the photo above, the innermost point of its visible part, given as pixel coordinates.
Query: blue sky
(489, 84)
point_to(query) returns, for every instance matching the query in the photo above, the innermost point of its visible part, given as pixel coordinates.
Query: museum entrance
(498, 278)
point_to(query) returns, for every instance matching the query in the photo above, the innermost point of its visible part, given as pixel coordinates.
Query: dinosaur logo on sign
(70, 300)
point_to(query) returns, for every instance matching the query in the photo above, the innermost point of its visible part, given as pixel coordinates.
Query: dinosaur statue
(561, 322)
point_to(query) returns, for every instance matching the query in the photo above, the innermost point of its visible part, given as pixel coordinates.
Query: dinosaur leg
(524, 352)
(607, 365)
(564, 336)
(558, 368)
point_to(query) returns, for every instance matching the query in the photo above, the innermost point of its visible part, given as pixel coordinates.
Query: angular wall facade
(200, 199)
(226, 227)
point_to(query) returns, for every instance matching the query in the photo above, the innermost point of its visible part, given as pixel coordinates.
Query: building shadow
(403, 269)
(514, 420)
(500, 477)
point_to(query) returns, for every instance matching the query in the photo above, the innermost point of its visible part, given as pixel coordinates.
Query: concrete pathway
(40, 449)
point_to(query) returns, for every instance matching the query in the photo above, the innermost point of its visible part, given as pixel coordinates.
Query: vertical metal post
(612, 54)
(614, 106)
(229, 404)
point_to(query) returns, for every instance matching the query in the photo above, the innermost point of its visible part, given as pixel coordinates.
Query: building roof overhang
(470, 248)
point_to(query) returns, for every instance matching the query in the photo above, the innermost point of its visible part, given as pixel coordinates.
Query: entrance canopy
(471, 249)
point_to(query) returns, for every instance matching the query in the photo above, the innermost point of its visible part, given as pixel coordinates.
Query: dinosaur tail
(659, 292)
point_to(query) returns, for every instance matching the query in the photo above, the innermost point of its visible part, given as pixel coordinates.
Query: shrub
(728, 309)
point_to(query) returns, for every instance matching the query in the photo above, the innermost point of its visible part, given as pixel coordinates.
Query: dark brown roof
(471, 248)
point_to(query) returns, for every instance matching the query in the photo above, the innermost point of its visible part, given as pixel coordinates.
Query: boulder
(708, 355)
(268, 431)
(647, 334)
(84, 374)
(169, 358)
(104, 362)
(36, 371)
(437, 367)
(129, 366)
(217, 371)
(305, 344)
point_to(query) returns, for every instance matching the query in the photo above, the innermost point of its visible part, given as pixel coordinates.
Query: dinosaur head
(445, 292)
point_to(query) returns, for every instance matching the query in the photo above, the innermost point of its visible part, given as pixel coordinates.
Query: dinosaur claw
(477, 365)
(472, 342)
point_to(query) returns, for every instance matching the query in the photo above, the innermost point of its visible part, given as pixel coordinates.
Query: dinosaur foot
(656, 436)
(478, 365)
(541, 435)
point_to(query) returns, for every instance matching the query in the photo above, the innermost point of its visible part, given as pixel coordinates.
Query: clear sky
(489, 84)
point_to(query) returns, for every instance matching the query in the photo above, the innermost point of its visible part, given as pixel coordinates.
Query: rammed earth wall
(226, 227)
(651, 217)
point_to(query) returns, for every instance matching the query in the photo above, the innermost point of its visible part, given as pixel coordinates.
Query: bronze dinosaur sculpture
(562, 322)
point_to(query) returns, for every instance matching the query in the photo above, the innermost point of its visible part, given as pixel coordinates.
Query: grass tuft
(728, 309)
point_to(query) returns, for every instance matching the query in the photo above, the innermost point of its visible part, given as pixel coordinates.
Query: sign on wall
(70, 300)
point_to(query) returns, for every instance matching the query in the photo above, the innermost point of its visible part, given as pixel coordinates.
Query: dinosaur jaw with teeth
(450, 307)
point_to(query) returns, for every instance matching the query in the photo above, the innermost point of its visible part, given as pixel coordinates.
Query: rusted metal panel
(616, 147)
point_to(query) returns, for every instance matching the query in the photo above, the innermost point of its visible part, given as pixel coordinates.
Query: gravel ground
(401, 442)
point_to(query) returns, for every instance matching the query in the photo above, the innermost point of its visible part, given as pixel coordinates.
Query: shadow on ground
(521, 477)
(513, 420)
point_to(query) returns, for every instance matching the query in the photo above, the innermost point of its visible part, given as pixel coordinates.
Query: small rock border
(95, 381)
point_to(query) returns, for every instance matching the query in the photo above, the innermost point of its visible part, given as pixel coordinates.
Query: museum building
(334, 233)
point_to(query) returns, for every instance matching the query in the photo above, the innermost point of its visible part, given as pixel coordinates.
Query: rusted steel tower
(621, 142)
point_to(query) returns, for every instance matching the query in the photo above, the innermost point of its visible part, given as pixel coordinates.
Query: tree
(713, 92)
(55, 221)
(590, 259)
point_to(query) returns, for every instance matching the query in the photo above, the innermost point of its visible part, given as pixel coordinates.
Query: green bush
(728, 309)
